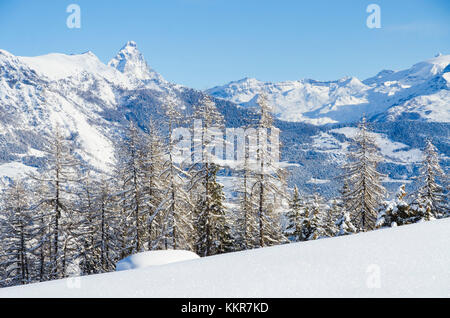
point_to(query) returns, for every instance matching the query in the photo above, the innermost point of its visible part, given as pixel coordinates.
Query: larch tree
(129, 171)
(203, 173)
(153, 185)
(430, 199)
(246, 223)
(366, 191)
(176, 206)
(60, 178)
(295, 217)
(16, 234)
(269, 187)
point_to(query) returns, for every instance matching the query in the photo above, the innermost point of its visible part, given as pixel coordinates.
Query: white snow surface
(391, 150)
(15, 170)
(406, 261)
(57, 66)
(154, 258)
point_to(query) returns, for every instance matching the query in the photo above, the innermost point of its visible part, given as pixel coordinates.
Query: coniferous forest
(68, 219)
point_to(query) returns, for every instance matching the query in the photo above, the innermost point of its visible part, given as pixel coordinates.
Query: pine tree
(176, 207)
(87, 227)
(129, 171)
(313, 226)
(344, 224)
(365, 189)
(269, 188)
(332, 215)
(42, 232)
(203, 176)
(430, 199)
(107, 216)
(397, 212)
(295, 218)
(153, 185)
(16, 235)
(59, 179)
(246, 223)
(343, 221)
(223, 238)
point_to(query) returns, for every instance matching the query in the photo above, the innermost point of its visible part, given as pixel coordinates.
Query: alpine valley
(94, 103)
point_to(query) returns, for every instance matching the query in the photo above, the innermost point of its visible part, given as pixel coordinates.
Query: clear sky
(203, 43)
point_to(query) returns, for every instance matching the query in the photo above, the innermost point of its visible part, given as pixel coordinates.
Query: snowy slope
(421, 90)
(408, 261)
(87, 99)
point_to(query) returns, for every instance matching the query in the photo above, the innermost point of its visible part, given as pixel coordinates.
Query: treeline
(67, 220)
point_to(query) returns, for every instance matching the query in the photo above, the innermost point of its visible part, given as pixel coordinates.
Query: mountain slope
(382, 263)
(93, 104)
(90, 101)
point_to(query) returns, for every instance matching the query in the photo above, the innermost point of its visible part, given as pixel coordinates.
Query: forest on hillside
(68, 220)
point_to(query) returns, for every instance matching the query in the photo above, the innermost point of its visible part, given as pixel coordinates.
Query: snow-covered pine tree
(153, 185)
(176, 207)
(203, 176)
(397, 212)
(343, 221)
(107, 215)
(332, 213)
(313, 226)
(366, 191)
(295, 218)
(269, 188)
(42, 232)
(123, 230)
(95, 232)
(344, 224)
(87, 228)
(16, 234)
(61, 174)
(129, 162)
(246, 223)
(223, 241)
(430, 199)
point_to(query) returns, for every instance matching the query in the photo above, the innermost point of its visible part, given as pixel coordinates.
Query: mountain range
(421, 92)
(93, 103)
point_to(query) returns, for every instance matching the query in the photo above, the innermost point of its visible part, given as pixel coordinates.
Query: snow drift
(154, 258)
(407, 261)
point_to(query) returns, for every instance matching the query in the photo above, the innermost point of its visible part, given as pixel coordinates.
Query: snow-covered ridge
(382, 263)
(57, 66)
(347, 99)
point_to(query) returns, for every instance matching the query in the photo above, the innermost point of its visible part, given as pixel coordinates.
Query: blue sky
(203, 43)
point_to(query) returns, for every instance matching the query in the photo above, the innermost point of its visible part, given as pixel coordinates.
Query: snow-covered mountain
(93, 102)
(89, 100)
(420, 92)
(383, 263)
(131, 62)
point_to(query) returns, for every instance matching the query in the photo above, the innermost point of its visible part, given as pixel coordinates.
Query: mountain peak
(131, 44)
(131, 62)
